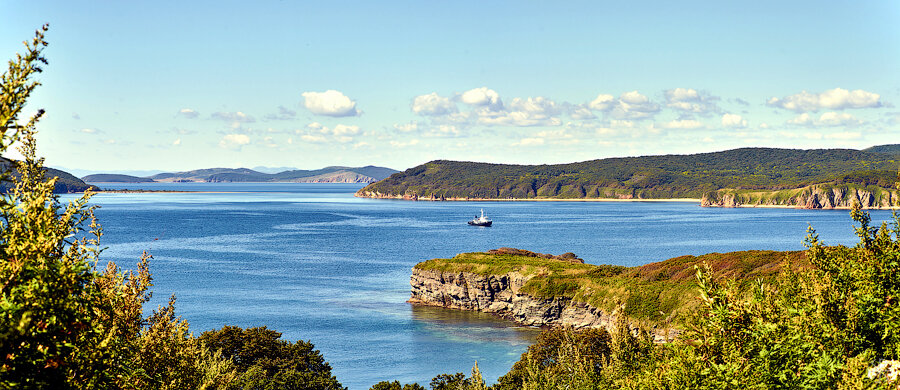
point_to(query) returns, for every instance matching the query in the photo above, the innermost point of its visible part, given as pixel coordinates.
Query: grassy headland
(652, 293)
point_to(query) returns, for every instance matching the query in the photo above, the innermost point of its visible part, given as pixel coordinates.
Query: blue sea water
(316, 263)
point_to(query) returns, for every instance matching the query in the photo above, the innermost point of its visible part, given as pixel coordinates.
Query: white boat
(481, 221)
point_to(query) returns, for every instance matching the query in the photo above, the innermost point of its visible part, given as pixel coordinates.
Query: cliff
(534, 289)
(820, 196)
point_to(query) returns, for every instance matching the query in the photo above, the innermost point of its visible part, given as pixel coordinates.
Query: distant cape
(334, 174)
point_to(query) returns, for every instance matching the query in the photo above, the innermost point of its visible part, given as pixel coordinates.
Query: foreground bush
(64, 324)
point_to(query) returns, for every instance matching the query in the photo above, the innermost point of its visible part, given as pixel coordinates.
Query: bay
(315, 263)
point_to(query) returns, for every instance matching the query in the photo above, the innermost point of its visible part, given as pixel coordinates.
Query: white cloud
(407, 127)
(433, 104)
(529, 142)
(482, 97)
(828, 119)
(838, 119)
(234, 117)
(582, 113)
(764, 125)
(176, 142)
(234, 141)
(734, 121)
(690, 100)
(283, 114)
(188, 113)
(832, 99)
(684, 124)
(537, 111)
(633, 105)
(89, 131)
(603, 102)
(344, 130)
(330, 103)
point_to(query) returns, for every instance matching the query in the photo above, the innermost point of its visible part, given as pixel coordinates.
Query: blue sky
(184, 85)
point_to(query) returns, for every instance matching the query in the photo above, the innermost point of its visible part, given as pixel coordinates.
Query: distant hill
(335, 174)
(115, 178)
(67, 183)
(886, 149)
(648, 177)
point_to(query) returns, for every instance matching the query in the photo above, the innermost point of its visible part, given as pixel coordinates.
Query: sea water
(315, 263)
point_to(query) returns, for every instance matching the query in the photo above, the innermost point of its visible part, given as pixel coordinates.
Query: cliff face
(500, 295)
(812, 197)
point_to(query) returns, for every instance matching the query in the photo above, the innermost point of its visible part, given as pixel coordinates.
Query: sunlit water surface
(316, 263)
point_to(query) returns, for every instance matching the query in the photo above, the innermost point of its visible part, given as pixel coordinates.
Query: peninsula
(333, 174)
(815, 178)
(537, 289)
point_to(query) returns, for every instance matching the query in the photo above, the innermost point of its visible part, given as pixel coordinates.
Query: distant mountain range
(335, 174)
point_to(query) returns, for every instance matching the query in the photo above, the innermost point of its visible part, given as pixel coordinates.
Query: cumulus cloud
(89, 131)
(407, 127)
(330, 103)
(582, 113)
(234, 141)
(76, 116)
(629, 105)
(603, 102)
(832, 99)
(690, 100)
(537, 111)
(176, 142)
(828, 119)
(684, 124)
(734, 121)
(482, 97)
(633, 105)
(234, 117)
(187, 113)
(433, 104)
(283, 114)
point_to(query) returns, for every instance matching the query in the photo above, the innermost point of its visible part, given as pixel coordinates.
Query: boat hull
(485, 224)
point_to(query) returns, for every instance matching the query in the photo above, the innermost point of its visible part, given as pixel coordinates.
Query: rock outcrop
(812, 197)
(500, 295)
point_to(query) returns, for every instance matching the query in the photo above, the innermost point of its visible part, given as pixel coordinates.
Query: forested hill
(648, 177)
(66, 183)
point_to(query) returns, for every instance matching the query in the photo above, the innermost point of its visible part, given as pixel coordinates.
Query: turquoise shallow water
(315, 263)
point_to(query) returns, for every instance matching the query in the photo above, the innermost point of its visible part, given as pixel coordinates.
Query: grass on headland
(652, 293)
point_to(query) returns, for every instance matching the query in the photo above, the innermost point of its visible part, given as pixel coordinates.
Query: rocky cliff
(500, 295)
(810, 197)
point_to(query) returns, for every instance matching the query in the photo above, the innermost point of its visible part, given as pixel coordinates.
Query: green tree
(385, 385)
(63, 324)
(264, 361)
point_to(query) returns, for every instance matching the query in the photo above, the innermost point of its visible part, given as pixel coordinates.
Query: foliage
(670, 176)
(385, 385)
(264, 361)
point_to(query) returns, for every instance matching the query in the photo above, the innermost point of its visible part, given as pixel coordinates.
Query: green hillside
(648, 177)
(67, 182)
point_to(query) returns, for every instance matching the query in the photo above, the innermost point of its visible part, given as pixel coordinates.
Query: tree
(63, 324)
(264, 361)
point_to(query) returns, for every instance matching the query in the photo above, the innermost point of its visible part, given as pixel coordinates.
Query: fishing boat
(481, 221)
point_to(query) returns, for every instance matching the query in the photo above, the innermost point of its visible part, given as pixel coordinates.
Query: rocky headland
(535, 289)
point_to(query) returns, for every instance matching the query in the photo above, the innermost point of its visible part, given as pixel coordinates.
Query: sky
(176, 85)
